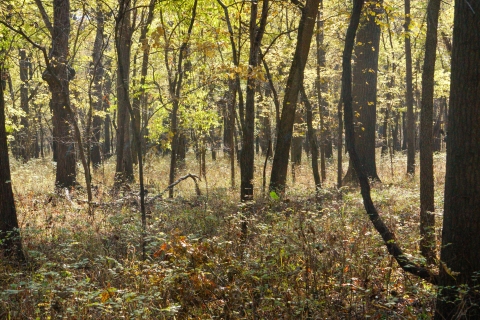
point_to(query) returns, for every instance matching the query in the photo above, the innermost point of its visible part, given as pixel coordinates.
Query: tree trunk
(97, 93)
(297, 143)
(388, 237)
(427, 203)
(385, 142)
(321, 86)
(139, 102)
(24, 143)
(313, 140)
(437, 127)
(395, 133)
(229, 128)
(175, 87)
(10, 242)
(107, 137)
(410, 129)
(248, 129)
(460, 254)
(294, 81)
(124, 163)
(365, 91)
(59, 87)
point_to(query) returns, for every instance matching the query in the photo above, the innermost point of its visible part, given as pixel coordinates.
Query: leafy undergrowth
(302, 257)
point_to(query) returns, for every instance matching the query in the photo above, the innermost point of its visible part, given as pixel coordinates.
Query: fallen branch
(193, 176)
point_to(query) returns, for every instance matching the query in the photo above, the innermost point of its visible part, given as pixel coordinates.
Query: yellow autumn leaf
(104, 296)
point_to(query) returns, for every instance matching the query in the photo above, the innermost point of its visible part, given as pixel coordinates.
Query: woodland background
(142, 135)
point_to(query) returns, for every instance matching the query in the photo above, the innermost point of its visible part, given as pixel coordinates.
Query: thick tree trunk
(294, 81)
(59, 87)
(458, 296)
(10, 242)
(427, 203)
(410, 128)
(124, 163)
(365, 91)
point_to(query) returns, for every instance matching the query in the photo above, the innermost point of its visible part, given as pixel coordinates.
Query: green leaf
(274, 195)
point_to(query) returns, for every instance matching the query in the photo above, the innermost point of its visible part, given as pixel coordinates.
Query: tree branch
(44, 15)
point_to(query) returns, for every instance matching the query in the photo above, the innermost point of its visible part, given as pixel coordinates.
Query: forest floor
(303, 257)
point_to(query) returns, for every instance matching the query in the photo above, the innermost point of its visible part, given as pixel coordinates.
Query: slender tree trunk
(107, 139)
(437, 127)
(248, 129)
(140, 99)
(229, 128)
(294, 82)
(266, 127)
(385, 142)
(175, 87)
(297, 143)
(313, 140)
(427, 201)
(24, 142)
(410, 129)
(321, 86)
(97, 93)
(340, 143)
(237, 90)
(459, 297)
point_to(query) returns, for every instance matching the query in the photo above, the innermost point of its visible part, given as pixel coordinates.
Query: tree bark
(312, 137)
(248, 129)
(297, 143)
(410, 128)
(321, 86)
(364, 91)
(58, 83)
(294, 81)
(97, 93)
(427, 204)
(10, 242)
(123, 39)
(139, 102)
(24, 135)
(229, 128)
(107, 136)
(460, 254)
